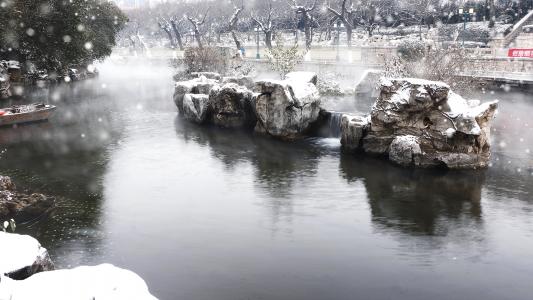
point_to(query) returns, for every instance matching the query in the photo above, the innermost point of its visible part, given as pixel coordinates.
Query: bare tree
(365, 15)
(165, 26)
(307, 20)
(233, 25)
(196, 23)
(265, 25)
(176, 25)
(420, 11)
(345, 15)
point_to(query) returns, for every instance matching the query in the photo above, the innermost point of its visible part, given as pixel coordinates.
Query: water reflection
(65, 157)
(416, 201)
(277, 165)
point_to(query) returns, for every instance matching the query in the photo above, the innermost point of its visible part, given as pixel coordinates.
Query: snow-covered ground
(23, 252)
(82, 283)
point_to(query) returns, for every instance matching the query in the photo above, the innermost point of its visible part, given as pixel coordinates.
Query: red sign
(516, 52)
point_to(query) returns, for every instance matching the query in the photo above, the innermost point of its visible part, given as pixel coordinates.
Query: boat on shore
(25, 113)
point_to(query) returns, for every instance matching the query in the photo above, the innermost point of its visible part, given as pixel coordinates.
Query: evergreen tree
(55, 34)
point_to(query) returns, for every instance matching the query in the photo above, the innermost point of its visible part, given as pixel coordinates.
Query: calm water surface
(203, 213)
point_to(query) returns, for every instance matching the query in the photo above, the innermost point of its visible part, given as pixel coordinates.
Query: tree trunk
(349, 30)
(492, 14)
(268, 39)
(177, 34)
(198, 38)
(132, 40)
(169, 34)
(238, 43)
(308, 37)
(420, 28)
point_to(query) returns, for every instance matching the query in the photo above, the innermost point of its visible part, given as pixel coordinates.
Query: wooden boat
(25, 113)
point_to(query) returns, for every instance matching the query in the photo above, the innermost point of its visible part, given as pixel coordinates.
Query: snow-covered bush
(435, 64)
(327, 85)
(242, 68)
(206, 59)
(411, 49)
(283, 60)
(473, 33)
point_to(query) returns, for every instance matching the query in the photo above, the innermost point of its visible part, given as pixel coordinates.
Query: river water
(204, 213)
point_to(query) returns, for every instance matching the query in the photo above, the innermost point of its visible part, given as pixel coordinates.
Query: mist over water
(206, 213)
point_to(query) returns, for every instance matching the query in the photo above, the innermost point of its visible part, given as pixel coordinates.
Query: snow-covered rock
(195, 107)
(353, 129)
(21, 256)
(231, 106)
(21, 206)
(208, 75)
(102, 282)
(201, 85)
(423, 123)
(405, 150)
(245, 81)
(368, 85)
(285, 109)
(301, 76)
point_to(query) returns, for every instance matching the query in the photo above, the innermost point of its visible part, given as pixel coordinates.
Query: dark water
(202, 213)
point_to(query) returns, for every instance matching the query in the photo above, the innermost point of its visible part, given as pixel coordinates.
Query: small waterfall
(335, 124)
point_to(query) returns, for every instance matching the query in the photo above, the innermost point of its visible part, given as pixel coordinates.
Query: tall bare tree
(176, 24)
(307, 20)
(345, 15)
(232, 26)
(165, 26)
(196, 23)
(265, 24)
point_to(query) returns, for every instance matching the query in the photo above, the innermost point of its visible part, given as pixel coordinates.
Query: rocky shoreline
(20, 206)
(414, 122)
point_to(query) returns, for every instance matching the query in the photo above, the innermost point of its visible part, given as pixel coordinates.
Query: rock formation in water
(201, 85)
(21, 206)
(286, 109)
(195, 107)
(231, 106)
(282, 109)
(22, 256)
(424, 124)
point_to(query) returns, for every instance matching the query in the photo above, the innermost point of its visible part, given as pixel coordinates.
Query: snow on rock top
(22, 255)
(102, 282)
(448, 129)
(300, 76)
